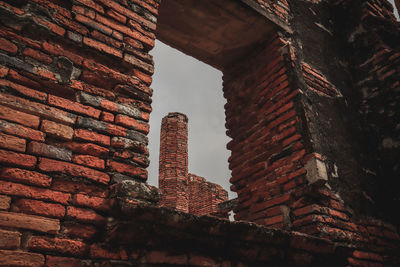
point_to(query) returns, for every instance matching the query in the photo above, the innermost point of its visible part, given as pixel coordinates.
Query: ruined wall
(204, 196)
(74, 110)
(173, 166)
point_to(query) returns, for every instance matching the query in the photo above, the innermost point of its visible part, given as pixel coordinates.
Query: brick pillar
(173, 168)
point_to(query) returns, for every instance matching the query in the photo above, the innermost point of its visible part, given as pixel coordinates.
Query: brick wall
(204, 196)
(173, 167)
(74, 111)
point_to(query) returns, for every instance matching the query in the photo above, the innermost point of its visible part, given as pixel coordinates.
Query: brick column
(173, 168)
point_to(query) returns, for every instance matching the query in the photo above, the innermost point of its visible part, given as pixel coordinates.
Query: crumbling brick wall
(181, 190)
(74, 109)
(204, 196)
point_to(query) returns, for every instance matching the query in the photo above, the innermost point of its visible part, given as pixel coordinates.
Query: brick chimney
(173, 168)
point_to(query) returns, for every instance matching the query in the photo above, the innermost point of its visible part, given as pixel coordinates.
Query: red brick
(102, 47)
(106, 116)
(51, 26)
(115, 15)
(30, 222)
(37, 55)
(57, 130)
(12, 142)
(130, 170)
(96, 203)
(84, 215)
(3, 71)
(79, 187)
(96, 251)
(14, 189)
(25, 176)
(5, 202)
(160, 257)
(61, 245)
(132, 123)
(8, 46)
(12, 158)
(88, 161)
(53, 261)
(10, 239)
(37, 109)
(19, 258)
(84, 11)
(58, 50)
(84, 231)
(37, 207)
(146, 78)
(23, 89)
(93, 24)
(92, 4)
(49, 165)
(73, 106)
(49, 151)
(85, 135)
(88, 149)
(21, 131)
(19, 117)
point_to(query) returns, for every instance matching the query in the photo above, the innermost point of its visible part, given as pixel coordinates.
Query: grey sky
(184, 84)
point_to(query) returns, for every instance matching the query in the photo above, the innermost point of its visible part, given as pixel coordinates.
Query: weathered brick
(9, 239)
(93, 24)
(14, 189)
(8, 46)
(30, 222)
(85, 135)
(84, 215)
(132, 123)
(79, 187)
(4, 71)
(88, 161)
(127, 169)
(135, 61)
(107, 116)
(50, 151)
(19, 258)
(58, 50)
(115, 15)
(49, 165)
(19, 117)
(101, 126)
(12, 158)
(21, 131)
(40, 56)
(22, 89)
(53, 261)
(96, 251)
(37, 109)
(57, 130)
(124, 143)
(84, 231)
(96, 203)
(5, 202)
(92, 4)
(102, 47)
(73, 106)
(105, 39)
(37, 207)
(60, 245)
(197, 260)
(49, 25)
(12, 142)
(84, 11)
(88, 149)
(25, 176)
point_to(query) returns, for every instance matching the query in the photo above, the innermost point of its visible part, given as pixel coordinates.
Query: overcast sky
(184, 84)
